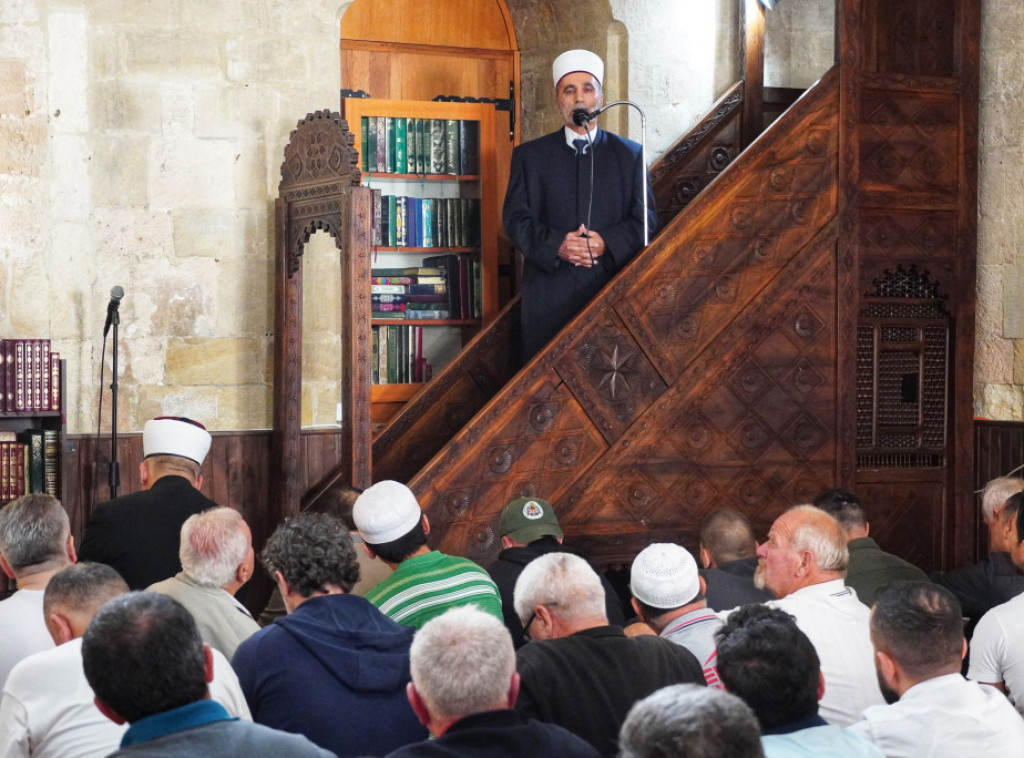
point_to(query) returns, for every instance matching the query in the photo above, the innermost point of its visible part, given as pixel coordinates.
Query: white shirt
(47, 708)
(945, 717)
(836, 623)
(22, 629)
(997, 649)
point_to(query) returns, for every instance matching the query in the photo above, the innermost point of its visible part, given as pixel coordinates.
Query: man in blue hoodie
(335, 669)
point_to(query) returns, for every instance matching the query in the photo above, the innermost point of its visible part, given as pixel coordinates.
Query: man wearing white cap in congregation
(668, 595)
(425, 582)
(139, 534)
(574, 205)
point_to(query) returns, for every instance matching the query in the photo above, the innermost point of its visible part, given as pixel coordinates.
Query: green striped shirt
(427, 585)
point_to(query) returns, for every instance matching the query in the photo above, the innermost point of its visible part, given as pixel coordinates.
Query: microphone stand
(115, 472)
(643, 153)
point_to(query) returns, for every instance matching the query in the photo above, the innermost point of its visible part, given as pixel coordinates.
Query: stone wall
(141, 142)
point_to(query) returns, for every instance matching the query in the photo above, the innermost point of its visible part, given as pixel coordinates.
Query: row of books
(29, 462)
(402, 221)
(398, 145)
(397, 355)
(29, 376)
(445, 287)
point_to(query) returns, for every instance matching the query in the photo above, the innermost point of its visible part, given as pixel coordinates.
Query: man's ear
(821, 685)
(418, 706)
(426, 524)
(867, 528)
(887, 668)
(69, 548)
(507, 542)
(60, 628)
(109, 712)
(208, 662)
(369, 550)
(144, 474)
(705, 557)
(199, 481)
(636, 608)
(513, 689)
(963, 650)
(6, 567)
(703, 585)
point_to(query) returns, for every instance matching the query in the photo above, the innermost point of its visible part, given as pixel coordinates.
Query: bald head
(805, 546)
(74, 595)
(725, 535)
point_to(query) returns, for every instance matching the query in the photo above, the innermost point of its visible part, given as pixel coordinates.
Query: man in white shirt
(803, 563)
(997, 650)
(35, 543)
(47, 708)
(917, 630)
(217, 559)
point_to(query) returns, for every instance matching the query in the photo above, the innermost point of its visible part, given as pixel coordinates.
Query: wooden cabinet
(450, 213)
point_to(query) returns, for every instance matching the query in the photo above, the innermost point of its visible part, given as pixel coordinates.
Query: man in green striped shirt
(425, 582)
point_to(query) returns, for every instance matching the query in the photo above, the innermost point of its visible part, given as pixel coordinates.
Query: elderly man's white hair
(822, 536)
(996, 493)
(563, 582)
(690, 721)
(462, 663)
(213, 544)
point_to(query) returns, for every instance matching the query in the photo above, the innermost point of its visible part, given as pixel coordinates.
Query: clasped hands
(581, 247)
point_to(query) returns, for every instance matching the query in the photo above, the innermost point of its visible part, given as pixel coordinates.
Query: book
(375, 314)
(437, 140)
(55, 379)
(427, 289)
(375, 354)
(34, 442)
(451, 146)
(392, 221)
(51, 462)
(382, 351)
(392, 354)
(402, 230)
(382, 145)
(388, 289)
(382, 307)
(410, 145)
(469, 147)
(422, 146)
(427, 222)
(401, 150)
(377, 209)
(370, 144)
(392, 280)
(444, 314)
(450, 262)
(364, 141)
(389, 145)
(20, 376)
(408, 271)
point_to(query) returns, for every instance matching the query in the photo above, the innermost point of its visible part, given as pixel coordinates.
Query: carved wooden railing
(704, 373)
(436, 414)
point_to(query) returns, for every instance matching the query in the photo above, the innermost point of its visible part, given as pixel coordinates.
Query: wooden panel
(455, 23)
(906, 511)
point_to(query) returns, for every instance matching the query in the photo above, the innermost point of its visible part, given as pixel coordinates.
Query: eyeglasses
(526, 627)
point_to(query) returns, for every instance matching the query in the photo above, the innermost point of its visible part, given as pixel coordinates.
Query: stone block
(246, 407)
(1002, 402)
(29, 315)
(120, 170)
(1018, 362)
(19, 12)
(993, 361)
(23, 146)
(70, 186)
(174, 54)
(244, 297)
(256, 176)
(214, 233)
(199, 403)
(216, 362)
(191, 173)
(321, 356)
(989, 311)
(124, 106)
(228, 110)
(219, 16)
(14, 99)
(146, 14)
(69, 71)
(1013, 301)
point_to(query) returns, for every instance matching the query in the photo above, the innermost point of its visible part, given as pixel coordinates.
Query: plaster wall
(141, 142)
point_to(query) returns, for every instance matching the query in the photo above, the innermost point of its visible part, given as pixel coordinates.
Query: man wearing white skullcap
(574, 205)
(139, 534)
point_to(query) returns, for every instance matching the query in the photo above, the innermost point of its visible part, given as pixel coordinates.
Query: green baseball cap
(526, 519)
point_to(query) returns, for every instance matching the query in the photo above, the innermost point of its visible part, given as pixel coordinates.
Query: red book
(44, 370)
(55, 398)
(20, 376)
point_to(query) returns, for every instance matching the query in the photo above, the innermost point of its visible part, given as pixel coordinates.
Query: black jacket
(139, 534)
(732, 584)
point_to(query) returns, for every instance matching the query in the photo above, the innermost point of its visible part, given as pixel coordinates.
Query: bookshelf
(440, 212)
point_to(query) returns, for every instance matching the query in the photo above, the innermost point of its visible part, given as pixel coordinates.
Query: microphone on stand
(582, 117)
(116, 293)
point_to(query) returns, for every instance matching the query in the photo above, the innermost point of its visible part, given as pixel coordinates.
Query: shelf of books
(433, 282)
(31, 418)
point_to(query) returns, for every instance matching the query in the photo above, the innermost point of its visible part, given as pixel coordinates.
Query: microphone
(582, 117)
(116, 293)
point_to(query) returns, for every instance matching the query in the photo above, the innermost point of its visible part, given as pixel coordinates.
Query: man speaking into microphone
(574, 205)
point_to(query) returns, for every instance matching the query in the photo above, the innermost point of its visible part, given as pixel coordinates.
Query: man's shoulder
(225, 738)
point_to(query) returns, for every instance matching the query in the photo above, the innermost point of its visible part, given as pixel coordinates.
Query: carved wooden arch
(320, 190)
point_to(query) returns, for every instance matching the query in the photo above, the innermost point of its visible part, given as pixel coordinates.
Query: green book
(437, 131)
(382, 351)
(451, 147)
(389, 150)
(428, 222)
(410, 145)
(392, 221)
(364, 136)
(401, 150)
(375, 354)
(422, 146)
(392, 354)
(36, 471)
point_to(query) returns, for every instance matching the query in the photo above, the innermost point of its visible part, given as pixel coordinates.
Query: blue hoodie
(335, 670)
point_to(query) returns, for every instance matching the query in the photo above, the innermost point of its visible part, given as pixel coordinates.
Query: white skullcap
(182, 437)
(384, 512)
(577, 60)
(664, 576)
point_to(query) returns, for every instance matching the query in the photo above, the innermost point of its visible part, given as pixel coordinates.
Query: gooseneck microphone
(116, 293)
(582, 117)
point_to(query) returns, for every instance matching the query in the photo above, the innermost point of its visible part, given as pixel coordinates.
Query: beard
(888, 693)
(759, 576)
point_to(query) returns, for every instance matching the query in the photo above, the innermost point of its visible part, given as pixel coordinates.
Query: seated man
(464, 683)
(687, 721)
(728, 553)
(138, 534)
(917, 630)
(216, 559)
(35, 543)
(993, 580)
(335, 668)
(668, 596)
(47, 707)
(529, 529)
(869, 568)
(425, 582)
(766, 661)
(579, 672)
(997, 650)
(144, 659)
(803, 563)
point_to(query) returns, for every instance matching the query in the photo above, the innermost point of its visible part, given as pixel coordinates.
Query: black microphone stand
(115, 471)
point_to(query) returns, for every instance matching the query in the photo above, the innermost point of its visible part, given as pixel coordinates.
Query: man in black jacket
(529, 529)
(140, 534)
